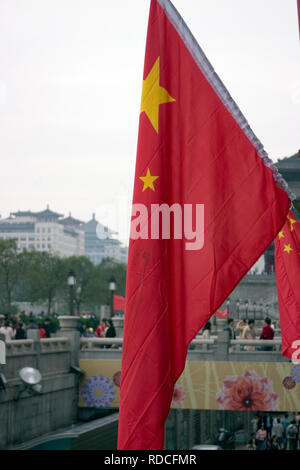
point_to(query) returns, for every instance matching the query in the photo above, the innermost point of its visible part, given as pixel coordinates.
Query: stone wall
(24, 414)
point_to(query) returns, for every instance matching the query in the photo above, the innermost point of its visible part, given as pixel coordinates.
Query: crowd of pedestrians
(275, 433)
(105, 329)
(245, 330)
(16, 327)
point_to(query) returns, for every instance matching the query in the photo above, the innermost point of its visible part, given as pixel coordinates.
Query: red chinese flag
(287, 267)
(194, 147)
(119, 302)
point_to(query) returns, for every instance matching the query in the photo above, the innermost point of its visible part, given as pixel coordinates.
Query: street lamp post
(228, 304)
(112, 288)
(71, 284)
(78, 300)
(247, 306)
(238, 308)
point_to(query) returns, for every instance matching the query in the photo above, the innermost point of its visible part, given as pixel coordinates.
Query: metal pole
(72, 300)
(112, 304)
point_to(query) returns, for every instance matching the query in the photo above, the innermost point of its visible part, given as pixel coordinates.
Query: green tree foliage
(45, 277)
(33, 276)
(12, 269)
(85, 272)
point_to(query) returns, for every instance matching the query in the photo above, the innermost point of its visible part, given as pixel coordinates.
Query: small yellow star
(153, 95)
(148, 180)
(288, 248)
(292, 222)
(281, 234)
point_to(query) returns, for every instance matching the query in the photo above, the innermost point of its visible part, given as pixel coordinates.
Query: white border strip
(213, 79)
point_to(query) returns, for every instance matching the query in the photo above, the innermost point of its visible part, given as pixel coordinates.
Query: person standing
(110, 332)
(240, 326)
(249, 334)
(261, 437)
(100, 330)
(254, 423)
(269, 424)
(277, 431)
(206, 331)
(285, 423)
(47, 327)
(42, 331)
(230, 328)
(20, 331)
(7, 331)
(291, 434)
(267, 333)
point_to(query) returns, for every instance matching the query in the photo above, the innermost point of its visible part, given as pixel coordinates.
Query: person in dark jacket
(230, 328)
(20, 332)
(110, 332)
(47, 327)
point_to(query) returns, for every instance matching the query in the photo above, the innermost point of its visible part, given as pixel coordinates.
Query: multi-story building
(44, 231)
(100, 244)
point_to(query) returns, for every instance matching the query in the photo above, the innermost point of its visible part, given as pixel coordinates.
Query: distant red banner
(220, 314)
(119, 302)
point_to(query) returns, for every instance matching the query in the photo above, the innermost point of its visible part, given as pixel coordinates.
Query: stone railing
(49, 355)
(19, 347)
(256, 351)
(217, 348)
(97, 343)
(111, 348)
(255, 345)
(53, 345)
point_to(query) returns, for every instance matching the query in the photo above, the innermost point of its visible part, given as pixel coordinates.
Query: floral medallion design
(248, 391)
(98, 392)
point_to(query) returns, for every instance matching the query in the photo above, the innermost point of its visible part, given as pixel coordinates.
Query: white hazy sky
(70, 88)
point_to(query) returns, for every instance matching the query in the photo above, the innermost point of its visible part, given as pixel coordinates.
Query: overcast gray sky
(70, 87)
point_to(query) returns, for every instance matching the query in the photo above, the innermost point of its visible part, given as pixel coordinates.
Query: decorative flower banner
(239, 386)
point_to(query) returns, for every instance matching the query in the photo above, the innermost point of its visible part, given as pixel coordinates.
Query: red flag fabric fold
(199, 163)
(287, 268)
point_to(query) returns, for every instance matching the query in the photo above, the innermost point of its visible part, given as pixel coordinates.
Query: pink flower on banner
(117, 379)
(178, 395)
(248, 391)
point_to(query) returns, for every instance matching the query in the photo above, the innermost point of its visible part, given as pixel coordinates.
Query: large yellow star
(288, 248)
(153, 95)
(292, 222)
(148, 180)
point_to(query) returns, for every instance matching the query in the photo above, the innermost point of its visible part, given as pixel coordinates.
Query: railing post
(119, 325)
(222, 343)
(35, 335)
(69, 330)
